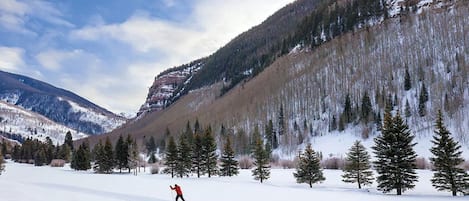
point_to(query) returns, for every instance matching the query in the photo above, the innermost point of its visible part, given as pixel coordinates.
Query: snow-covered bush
(155, 169)
(245, 162)
(57, 163)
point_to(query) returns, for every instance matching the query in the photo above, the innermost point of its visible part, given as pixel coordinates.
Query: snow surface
(26, 182)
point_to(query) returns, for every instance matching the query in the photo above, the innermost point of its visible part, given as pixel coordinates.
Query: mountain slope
(59, 105)
(312, 84)
(17, 123)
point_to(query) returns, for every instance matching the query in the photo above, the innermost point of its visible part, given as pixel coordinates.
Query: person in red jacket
(178, 192)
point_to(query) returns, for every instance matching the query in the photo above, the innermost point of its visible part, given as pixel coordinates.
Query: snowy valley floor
(23, 182)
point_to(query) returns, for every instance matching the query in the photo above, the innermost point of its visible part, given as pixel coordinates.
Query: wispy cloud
(11, 58)
(113, 64)
(15, 14)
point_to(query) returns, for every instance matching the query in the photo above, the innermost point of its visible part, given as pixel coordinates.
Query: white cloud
(14, 15)
(11, 58)
(53, 59)
(154, 45)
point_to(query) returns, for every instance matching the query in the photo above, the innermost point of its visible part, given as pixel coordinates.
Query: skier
(178, 192)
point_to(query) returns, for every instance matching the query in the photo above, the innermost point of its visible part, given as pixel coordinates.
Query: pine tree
(2, 161)
(40, 157)
(69, 140)
(366, 108)
(423, 98)
(348, 109)
(151, 146)
(102, 159)
(64, 152)
(395, 155)
(81, 157)
(184, 156)
(357, 167)
(261, 162)
(407, 111)
(229, 166)
(197, 156)
(209, 155)
(308, 170)
(171, 158)
(121, 154)
(407, 82)
(447, 156)
(134, 153)
(197, 128)
(281, 121)
(108, 161)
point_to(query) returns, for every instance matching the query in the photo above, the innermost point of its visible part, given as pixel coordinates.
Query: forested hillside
(368, 66)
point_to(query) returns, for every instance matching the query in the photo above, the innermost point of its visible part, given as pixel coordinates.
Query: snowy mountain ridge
(58, 105)
(15, 120)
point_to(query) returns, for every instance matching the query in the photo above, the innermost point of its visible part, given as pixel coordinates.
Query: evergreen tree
(357, 167)
(333, 124)
(65, 152)
(348, 109)
(197, 156)
(151, 146)
(184, 156)
(69, 140)
(423, 98)
(261, 162)
(407, 82)
(40, 157)
(281, 121)
(270, 135)
(407, 111)
(121, 154)
(366, 108)
(197, 128)
(188, 134)
(448, 175)
(209, 155)
(308, 170)
(103, 161)
(229, 166)
(107, 163)
(2, 161)
(152, 159)
(395, 155)
(81, 157)
(171, 158)
(134, 153)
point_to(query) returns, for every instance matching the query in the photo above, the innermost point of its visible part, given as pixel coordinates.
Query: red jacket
(177, 188)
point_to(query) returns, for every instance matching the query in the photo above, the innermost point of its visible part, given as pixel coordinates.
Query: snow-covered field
(23, 182)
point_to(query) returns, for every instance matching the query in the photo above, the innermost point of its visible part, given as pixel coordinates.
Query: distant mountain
(59, 105)
(17, 123)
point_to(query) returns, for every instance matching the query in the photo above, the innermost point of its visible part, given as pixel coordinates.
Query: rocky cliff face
(168, 86)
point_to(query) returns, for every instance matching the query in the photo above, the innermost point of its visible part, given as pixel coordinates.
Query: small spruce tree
(197, 156)
(357, 167)
(121, 154)
(407, 81)
(69, 140)
(209, 148)
(309, 170)
(171, 157)
(229, 166)
(447, 156)
(261, 162)
(184, 161)
(395, 162)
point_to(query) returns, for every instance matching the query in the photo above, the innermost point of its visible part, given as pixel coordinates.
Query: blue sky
(110, 51)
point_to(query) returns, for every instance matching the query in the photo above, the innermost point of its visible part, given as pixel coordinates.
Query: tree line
(395, 160)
